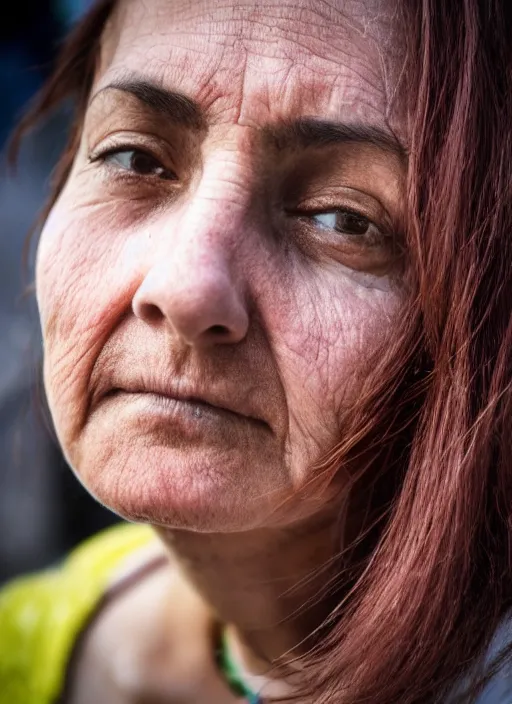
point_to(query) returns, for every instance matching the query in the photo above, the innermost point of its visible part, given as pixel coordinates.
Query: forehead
(249, 62)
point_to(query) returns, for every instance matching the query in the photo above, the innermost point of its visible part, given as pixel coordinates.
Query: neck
(271, 586)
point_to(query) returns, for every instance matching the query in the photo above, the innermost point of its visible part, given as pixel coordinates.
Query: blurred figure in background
(43, 509)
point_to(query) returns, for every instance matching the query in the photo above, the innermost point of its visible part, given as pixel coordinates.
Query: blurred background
(43, 509)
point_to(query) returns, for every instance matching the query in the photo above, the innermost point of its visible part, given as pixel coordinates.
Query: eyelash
(373, 235)
(104, 156)
(377, 239)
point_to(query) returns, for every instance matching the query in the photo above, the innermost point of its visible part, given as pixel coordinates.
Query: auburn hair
(428, 580)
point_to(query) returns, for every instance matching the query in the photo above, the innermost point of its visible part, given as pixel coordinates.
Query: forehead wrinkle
(253, 24)
(226, 74)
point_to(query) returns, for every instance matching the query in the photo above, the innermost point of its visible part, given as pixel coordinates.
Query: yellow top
(41, 616)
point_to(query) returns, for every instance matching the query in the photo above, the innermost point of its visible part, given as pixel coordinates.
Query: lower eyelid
(379, 238)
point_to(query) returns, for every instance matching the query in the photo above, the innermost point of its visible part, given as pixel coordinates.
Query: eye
(138, 162)
(348, 223)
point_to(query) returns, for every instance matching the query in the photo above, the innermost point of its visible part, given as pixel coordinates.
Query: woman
(274, 285)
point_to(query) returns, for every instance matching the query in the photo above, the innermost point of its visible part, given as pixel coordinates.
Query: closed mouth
(198, 405)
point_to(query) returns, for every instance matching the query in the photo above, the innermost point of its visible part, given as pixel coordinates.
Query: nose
(193, 287)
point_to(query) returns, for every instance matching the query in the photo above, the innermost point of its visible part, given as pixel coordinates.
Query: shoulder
(499, 689)
(148, 643)
(42, 615)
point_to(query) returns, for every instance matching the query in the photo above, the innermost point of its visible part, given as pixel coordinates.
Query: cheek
(323, 336)
(83, 283)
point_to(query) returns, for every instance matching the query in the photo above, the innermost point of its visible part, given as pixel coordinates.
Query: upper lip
(239, 406)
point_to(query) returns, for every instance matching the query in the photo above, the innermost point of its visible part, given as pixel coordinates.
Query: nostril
(219, 330)
(150, 313)
(210, 312)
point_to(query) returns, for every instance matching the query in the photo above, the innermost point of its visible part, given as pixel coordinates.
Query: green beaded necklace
(232, 673)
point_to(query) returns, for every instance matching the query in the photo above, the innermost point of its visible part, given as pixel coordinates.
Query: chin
(175, 467)
(181, 489)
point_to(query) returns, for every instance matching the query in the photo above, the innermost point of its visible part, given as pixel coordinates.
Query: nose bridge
(213, 221)
(196, 281)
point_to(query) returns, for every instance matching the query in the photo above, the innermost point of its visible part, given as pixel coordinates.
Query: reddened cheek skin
(205, 334)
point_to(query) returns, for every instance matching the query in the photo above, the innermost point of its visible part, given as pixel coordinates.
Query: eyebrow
(172, 105)
(303, 133)
(311, 132)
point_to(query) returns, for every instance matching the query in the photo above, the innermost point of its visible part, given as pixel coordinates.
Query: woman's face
(222, 261)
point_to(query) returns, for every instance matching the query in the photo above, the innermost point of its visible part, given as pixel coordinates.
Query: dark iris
(351, 224)
(144, 164)
(139, 162)
(345, 222)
